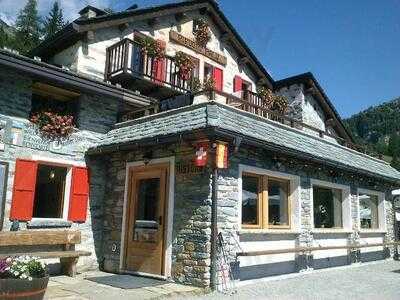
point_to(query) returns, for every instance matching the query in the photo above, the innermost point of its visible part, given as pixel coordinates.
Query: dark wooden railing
(252, 103)
(127, 58)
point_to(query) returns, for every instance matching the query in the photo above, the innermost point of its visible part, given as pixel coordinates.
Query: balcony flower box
(23, 278)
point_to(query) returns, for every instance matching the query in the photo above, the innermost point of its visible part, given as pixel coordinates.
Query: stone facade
(20, 139)
(304, 235)
(191, 217)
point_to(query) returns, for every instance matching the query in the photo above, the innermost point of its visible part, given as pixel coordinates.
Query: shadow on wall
(264, 270)
(97, 179)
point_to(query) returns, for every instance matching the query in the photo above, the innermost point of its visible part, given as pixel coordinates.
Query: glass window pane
(368, 211)
(146, 222)
(327, 207)
(250, 190)
(49, 193)
(278, 202)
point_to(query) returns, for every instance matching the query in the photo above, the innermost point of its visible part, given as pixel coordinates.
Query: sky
(351, 47)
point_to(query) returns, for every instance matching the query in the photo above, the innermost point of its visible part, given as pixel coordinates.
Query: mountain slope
(378, 128)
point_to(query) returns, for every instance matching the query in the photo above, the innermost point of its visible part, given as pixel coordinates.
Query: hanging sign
(222, 155)
(201, 155)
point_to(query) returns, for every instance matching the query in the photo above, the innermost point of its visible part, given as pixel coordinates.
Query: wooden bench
(24, 241)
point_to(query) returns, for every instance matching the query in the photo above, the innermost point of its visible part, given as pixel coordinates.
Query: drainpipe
(214, 220)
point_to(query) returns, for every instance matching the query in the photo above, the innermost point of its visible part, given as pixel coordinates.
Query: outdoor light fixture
(52, 174)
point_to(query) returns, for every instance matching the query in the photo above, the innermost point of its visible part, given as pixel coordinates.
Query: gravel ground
(378, 280)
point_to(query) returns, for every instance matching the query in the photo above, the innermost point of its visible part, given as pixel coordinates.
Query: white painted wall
(89, 57)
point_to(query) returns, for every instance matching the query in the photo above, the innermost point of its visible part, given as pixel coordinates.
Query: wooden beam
(90, 35)
(54, 92)
(151, 21)
(226, 36)
(204, 11)
(123, 26)
(39, 237)
(180, 16)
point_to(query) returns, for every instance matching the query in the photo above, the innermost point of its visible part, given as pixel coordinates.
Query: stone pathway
(372, 281)
(99, 285)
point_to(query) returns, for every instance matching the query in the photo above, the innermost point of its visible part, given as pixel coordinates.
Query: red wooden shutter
(79, 195)
(218, 75)
(23, 190)
(237, 83)
(159, 66)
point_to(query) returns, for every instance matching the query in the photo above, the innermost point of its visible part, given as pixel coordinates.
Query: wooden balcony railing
(126, 58)
(252, 103)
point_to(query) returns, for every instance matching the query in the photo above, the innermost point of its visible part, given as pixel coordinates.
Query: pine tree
(54, 22)
(3, 38)
(396, 162)
(27, 27)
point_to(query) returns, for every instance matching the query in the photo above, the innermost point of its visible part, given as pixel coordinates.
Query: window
(265, 201)
(216, 73)
(50, 191)
(368, 211)
(43, 190)
(327, 207)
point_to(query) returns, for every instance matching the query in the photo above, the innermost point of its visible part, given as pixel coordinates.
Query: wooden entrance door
(145, 220)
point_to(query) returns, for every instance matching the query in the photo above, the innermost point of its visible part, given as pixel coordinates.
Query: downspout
(214, 220)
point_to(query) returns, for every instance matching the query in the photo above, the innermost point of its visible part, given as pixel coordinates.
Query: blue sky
(352, 47)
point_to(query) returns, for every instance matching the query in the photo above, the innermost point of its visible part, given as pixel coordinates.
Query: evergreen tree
(27, 28)
(54, 22)
(3, 38)
(395, 162)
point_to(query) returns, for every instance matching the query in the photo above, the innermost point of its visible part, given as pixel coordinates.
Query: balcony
(126, 64)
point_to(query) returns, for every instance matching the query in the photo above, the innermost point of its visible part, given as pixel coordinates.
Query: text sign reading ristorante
(180, 39)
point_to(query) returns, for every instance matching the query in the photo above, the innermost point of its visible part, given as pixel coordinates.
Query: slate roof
(229, 120)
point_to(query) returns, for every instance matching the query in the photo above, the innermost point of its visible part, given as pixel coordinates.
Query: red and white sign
(201, 155)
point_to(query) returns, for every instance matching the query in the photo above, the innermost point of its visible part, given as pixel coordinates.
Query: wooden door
(144, 251)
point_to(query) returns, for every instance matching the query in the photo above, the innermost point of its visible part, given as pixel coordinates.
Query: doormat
(127, 281)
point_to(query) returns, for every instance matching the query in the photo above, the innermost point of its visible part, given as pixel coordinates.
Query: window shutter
(218, 78)
(79, 195)
(159, 66)
(23, 190)
(237, 83)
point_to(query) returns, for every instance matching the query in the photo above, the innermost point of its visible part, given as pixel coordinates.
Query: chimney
(89, 12)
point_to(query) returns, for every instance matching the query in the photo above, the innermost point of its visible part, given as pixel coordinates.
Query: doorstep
(100, 285)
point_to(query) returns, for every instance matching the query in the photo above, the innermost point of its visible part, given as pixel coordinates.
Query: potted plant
(209, 84)
(195, 85)
(153, 48)
(23, 277)
(53, 124)
(202, 32)
(271, 101)
(185, 65)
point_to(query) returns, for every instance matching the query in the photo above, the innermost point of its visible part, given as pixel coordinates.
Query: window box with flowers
(23, 277)
(55, 120)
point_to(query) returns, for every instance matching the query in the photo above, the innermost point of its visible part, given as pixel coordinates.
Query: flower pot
(23, 289)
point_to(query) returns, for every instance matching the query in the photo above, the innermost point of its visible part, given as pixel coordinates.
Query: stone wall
(190, 260)
(20, 139)
(305, 235)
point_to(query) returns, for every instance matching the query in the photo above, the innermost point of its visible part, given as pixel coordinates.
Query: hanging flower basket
(202, 33)
(185, 65)
(53, 124)
(153, 48)
(23, 278)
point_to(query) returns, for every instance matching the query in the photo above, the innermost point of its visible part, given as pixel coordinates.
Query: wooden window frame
(263, 203)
